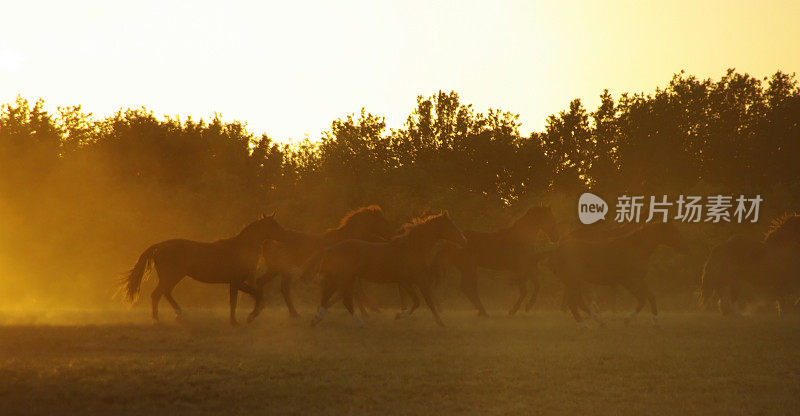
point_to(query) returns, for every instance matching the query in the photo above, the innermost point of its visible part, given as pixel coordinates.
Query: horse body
(401, 261)
(232, 261)
(283, 258)
(741, 260)
(508, 249)
(621, 261)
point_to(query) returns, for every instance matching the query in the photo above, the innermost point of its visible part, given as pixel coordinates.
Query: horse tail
(131, 284)
(313, 266)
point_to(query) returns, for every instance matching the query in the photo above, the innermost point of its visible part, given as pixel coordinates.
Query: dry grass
(535, 364)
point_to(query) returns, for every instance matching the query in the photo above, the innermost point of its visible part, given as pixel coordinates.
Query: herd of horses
(365, 247)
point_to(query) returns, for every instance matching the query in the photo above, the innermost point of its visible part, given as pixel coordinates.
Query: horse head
(538, 218)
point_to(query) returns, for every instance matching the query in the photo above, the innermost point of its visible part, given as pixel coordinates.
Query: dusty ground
(540, 363)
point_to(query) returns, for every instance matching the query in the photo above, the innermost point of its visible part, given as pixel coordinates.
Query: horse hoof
(234, 323)
(179, 319)
(582, 325)
(295, 315)
(512, 312)
(250, 318)
(483, 315)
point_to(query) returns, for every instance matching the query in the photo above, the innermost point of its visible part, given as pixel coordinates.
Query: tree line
(67, 175)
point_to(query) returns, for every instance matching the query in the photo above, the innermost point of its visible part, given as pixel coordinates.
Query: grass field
(540, 363)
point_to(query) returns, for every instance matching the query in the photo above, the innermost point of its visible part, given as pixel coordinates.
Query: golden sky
(289, 68)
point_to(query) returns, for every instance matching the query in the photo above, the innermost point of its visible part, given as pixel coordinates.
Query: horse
(773, 263)
(599, 231)
(402, 261)
(507, 249)
(282, 258)
(232, 261)
(619, 261)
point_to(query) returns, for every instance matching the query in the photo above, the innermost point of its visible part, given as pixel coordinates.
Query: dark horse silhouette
(231, 260)
(741, 260)
(620, 261)
(282, 258)
(402, 260)
(599, 231)
(510, 249)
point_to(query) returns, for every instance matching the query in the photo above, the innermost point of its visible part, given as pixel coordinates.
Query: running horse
(282, 258)
(232, 261)
(743, 261)
(402, 260)
(507, 249)
(619, 261)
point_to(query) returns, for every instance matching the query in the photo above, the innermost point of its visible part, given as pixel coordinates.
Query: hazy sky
(289, 68)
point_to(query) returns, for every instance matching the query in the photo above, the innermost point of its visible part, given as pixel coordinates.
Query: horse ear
(272, 216)
(446, 213)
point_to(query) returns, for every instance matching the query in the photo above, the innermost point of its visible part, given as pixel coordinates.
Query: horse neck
(249, 236)
(422, 238)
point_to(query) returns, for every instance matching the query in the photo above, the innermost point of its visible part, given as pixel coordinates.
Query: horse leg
(258, 295)
(780, 303)
(534, 294)
(651, 299)
(154, 298)
(590, 310)
(328, 290)
(522, 282)
(469, 284)
(403, 298)
(347, 299)
(234, 298)
(638, 291)
(363, 300)
(171, 300)
(570, 296)
(408, 289)
(286, 291)
(426, 294)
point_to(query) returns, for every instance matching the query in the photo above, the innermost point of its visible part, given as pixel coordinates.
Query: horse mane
(778, 228)
(414, 225)
(345, 221)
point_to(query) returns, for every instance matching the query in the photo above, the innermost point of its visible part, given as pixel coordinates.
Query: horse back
(494, 250)
(216, 261)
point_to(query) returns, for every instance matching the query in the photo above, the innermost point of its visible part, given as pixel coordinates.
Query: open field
(540, 363)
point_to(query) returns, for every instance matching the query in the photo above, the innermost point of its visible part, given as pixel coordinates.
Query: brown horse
(773, 263)
(508, 249)
(232, 261)
(283, 258)
(621, 261)
(599, 231)
(402, 260)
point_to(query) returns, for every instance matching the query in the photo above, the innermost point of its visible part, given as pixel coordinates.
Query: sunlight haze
(290, 68)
